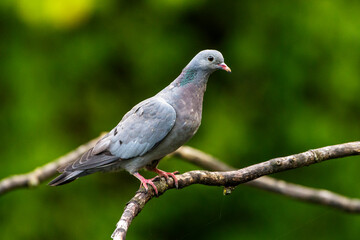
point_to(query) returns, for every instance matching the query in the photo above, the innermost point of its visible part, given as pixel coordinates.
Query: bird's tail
(67, 177)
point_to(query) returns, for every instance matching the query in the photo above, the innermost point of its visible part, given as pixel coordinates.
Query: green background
(71, 69)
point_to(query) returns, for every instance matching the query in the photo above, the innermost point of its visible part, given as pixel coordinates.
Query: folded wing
(141, 129)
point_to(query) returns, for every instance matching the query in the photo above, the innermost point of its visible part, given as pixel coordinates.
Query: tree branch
(234, 178)
(323, 197)
(40, 174)
(295, 191)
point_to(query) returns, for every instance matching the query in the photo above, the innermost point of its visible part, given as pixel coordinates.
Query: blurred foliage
(70, 69)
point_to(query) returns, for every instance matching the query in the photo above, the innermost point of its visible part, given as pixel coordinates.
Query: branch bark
(234, 178)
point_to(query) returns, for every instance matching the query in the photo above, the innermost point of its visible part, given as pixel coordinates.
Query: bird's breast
(188, 114)
(187, 102)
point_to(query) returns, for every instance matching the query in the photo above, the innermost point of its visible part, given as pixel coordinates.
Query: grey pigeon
(153, 128)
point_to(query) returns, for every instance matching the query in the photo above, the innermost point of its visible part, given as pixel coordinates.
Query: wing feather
(140, 130)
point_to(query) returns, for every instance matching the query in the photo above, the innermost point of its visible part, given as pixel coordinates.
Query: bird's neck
(190, 86)
(194, 76)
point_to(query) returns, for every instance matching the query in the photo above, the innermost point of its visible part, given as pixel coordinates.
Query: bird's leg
(145, 182)
(166, 175)
(152, 166)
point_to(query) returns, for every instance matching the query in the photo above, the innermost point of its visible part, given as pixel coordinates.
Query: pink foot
(166, 175)
(145, 182)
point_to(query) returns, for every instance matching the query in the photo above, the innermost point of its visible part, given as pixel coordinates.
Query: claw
(145, 182)
(166, 175)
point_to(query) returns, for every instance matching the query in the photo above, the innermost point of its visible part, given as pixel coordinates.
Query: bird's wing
(141, 129)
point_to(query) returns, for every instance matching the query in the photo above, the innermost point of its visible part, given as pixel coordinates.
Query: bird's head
(209, 61)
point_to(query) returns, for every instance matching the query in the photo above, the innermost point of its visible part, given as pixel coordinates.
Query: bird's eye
(211, 58)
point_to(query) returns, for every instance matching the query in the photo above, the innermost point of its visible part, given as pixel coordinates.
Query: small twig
(234, 178)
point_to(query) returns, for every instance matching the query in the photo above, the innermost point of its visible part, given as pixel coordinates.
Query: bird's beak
(225, 67)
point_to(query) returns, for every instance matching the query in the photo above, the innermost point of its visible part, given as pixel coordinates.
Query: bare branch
(234, 178)
(302, 193)
(323, 197)
(40, 174)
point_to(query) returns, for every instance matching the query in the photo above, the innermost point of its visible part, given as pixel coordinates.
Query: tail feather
(85, 165)
(66, 177)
